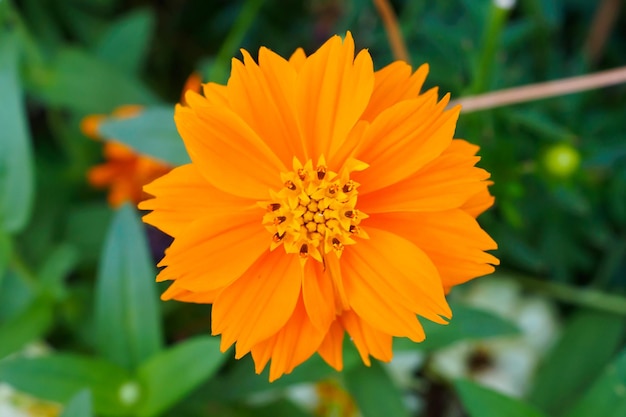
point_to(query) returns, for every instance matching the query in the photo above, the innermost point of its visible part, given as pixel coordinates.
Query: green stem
(483, 73)
(220, 68)
(584, 297)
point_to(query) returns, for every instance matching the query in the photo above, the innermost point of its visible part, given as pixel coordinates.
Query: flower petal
(214, 93)
(331, 349)
(393, 84)
(297, 59)
(183, 196)
(367, 339)
(230, 155)
(404, 138)
(174, 292)
(291, 346)
(481, 201)
(318, 295)
(258, 304)
(263, 96)
(452, 239)
(388, 280)
(333, 90)
(215, 251)
(445, 183)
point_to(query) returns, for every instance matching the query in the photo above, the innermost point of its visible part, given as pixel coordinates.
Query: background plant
(79, 275)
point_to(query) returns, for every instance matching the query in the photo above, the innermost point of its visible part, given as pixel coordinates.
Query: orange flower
(125, 172)
(334, 400)
(322, 198)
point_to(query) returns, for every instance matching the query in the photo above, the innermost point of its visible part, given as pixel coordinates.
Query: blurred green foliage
(80, 276)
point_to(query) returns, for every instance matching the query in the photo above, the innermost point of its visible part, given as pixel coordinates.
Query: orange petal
(215, 251)
(263, 96)
(227, 151)
(291, 346)
(445, 183)
(121, 192)
(452, 239)
(388, 280)
(258, 304)
(367, 339)
(117, 150)
(215, 94)
(404, 138)
(102, 175)
(297, 59)
(479, 202)
(331, 349)
(333, 90)
(318, 295)
(193, 83)
(393, 84)
(90, 125)
(127, 110)
(174, 292)
(183, 196)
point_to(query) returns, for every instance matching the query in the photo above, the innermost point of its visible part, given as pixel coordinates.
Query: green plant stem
(583, 297)
(219, 69)
(483, 73)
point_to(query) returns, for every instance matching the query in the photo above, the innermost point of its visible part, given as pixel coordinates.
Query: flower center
(315, 210)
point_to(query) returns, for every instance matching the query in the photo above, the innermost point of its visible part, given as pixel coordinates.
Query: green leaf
(607, 396)
(56, 268)
(25, 327)
(6, 247)
(374, 392)
(125, 44)
(466, 323)
(86, 84)
(152, 132)
(79, 405)
(86, 229)
(241, 382)
(16, 165)
(564, 376)
(188, 364)
(16, 294)
(60, 377)
(281, 407)
(128, 328)
(483, 402)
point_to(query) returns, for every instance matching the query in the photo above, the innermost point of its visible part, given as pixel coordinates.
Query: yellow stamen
(314, 213)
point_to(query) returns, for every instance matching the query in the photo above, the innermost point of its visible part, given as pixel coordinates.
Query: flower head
(125, 172)
(322, 198)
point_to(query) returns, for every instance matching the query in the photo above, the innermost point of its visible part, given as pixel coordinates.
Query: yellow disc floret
(315, 210)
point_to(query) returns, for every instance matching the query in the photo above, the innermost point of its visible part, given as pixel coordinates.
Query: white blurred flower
(505, 4)
(402, 369)
(506, 364)
(14, 403)
(324, 399)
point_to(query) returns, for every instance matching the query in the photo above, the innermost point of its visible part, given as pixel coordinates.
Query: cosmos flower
(125, 172)
(323, 198)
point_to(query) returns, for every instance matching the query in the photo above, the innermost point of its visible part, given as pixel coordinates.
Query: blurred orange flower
(125, 172)
(322, 198)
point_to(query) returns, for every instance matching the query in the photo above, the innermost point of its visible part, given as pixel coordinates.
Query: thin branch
(542, 90)
(601, 27)
(390, 22)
